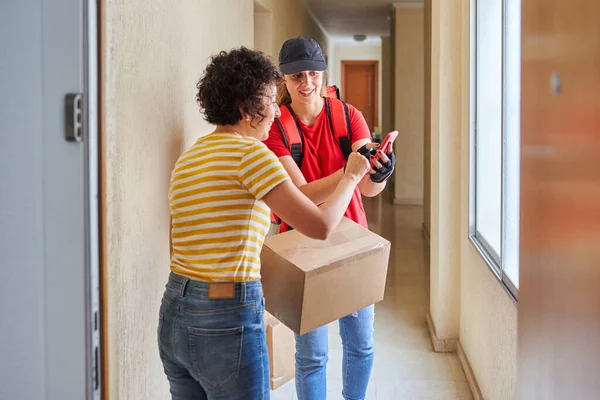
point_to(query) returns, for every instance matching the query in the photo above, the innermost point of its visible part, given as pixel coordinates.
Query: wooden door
(360, 88)
(559, 295)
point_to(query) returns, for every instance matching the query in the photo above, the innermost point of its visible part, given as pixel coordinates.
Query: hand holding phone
(388, 142)
(383, 163)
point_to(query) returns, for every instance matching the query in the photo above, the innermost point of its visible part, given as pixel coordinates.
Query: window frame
(494, 261)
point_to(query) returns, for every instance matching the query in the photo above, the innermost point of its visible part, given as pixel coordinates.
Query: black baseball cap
(301, 54)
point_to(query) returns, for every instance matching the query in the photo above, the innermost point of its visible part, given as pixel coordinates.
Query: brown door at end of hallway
(360, 88)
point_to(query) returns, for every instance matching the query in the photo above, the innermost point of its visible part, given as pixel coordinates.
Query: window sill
(495, 268)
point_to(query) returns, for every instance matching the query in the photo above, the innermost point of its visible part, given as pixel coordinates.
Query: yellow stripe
(256, 168)
(208, 199)
(220, 260)
(218, 250)
(276, 180)
(257, 154)
(213, 209)
(256, 217)
(205, 160)
(206, 179)
(217, 140)
(220, 230)
(205, 189)
(203, 221)
(214, 168)
(215, 240)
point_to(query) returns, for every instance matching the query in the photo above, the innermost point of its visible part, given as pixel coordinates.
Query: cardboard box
(309, 283)
(282, 351)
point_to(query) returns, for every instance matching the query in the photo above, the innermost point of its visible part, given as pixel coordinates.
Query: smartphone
(386, 145)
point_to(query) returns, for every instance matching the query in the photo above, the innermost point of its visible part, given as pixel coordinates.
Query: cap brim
(302, 65)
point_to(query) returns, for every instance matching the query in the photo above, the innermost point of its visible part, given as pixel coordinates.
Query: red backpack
(339, 123)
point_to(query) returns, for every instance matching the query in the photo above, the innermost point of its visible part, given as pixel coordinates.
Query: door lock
(74, 117)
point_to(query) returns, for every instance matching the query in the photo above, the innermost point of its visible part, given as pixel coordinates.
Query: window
(495, 136)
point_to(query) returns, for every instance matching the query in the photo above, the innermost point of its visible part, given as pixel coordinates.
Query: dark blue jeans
(356, 331)
(213, 349)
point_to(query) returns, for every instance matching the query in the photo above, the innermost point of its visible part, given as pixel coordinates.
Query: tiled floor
(406, 367)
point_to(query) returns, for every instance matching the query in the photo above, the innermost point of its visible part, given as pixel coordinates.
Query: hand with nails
(383, 164)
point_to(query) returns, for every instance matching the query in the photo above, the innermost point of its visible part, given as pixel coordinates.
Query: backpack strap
(332, 92)
(339, 123)
(291, 132)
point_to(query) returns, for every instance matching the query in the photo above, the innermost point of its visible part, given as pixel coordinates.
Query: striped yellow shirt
(219, 218)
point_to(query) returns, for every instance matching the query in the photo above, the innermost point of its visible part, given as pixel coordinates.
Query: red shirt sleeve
(360, 129)
(275, 141)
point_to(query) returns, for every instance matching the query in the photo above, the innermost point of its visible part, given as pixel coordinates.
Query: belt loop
(183, 287)
(243, 292)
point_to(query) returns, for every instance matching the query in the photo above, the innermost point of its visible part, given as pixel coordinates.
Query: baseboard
(440, 345)
(406, 201)
(426, 234)
(464, 361)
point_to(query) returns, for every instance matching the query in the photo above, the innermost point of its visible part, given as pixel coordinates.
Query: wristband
(366, 152)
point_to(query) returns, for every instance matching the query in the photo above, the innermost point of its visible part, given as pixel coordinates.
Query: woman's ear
(245, 115)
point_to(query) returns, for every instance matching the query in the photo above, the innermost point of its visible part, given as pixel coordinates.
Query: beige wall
(488, 327)
(427, 121)
(445, 167)
(152, 56)
(409, 83)
(344, 52)
(467, 301)
(387, 86)
(263, 28)
(290, 19)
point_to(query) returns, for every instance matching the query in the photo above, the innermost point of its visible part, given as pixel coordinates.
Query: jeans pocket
(216, 354)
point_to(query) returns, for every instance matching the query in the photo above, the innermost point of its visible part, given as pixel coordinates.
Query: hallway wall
(344, 52)
(468, 303)
(427, 119)
(152, 54)
(289, 19)
(409, 113)
(388, 89)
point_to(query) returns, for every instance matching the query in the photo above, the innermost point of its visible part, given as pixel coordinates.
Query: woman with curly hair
(211, 334)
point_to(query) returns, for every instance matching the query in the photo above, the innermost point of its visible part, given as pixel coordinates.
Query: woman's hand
(357, 166)
(383, 165)
(299, 211)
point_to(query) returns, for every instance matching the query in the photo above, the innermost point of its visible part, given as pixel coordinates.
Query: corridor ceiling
(345, 18)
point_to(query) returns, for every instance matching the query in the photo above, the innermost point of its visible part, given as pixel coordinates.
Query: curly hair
(235, 81)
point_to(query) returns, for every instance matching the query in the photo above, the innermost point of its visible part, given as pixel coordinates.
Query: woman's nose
(277, 111)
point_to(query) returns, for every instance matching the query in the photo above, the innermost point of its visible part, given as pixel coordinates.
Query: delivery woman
(211, 336)
(316, 166)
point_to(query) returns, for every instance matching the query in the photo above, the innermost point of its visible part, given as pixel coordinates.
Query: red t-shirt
(322, 155)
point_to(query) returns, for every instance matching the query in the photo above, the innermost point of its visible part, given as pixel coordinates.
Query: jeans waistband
(242, 290)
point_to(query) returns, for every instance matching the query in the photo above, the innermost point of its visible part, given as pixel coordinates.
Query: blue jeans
(213, 349)
(356, 331)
